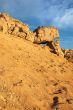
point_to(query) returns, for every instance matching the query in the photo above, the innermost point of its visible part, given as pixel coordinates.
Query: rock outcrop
(49, 35)
(57, 48)
(68, 54)
(43, 34)
(40, 35)
(15, 27)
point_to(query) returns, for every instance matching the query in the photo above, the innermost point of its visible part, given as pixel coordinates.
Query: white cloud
(66, 20)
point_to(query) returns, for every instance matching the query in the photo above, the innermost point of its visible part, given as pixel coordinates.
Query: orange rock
(44, 34)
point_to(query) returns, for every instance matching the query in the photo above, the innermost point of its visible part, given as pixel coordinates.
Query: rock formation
(43, 34)
(68, 54)
(15, 27)
(48, 35)
(32, 77)
(40, 35)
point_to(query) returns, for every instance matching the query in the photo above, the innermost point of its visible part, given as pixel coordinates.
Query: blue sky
(57, 13)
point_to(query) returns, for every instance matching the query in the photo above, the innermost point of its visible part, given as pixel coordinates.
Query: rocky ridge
(39, 35)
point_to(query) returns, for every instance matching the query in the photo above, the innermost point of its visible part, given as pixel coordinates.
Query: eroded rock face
(50, 35)
(43, 34)
(57, 48)
(15, 27)
(68, 54)
(40, 35)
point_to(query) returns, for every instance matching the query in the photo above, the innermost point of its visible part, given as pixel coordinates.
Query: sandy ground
(32, 78)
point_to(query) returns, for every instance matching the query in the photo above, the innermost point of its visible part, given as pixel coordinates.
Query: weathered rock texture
(15, 27)
(40, 35)
(48, 35)
(32, 77)
(43, 34)
(68, 54)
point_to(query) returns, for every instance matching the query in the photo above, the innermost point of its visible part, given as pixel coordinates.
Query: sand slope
(31, 76)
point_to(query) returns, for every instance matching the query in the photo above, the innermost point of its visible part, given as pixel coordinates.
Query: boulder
(43, 34)
(49, 35)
